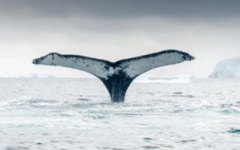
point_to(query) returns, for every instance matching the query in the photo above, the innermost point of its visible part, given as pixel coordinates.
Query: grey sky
(116, 29)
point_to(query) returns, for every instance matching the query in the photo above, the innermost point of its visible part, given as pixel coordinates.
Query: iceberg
(229, 68)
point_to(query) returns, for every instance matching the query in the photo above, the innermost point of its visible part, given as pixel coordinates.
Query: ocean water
(74, 114)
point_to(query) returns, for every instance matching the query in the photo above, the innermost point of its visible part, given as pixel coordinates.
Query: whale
(116, 76)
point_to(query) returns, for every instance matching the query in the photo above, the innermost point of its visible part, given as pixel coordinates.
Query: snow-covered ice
(229, 68)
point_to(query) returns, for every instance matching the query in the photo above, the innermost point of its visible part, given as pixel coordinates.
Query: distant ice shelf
(154, 79)
(41, 75)
(229, 68)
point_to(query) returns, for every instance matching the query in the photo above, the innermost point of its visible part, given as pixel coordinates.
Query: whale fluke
(116, 76)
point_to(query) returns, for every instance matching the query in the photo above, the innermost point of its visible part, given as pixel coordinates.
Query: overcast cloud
(116, 29)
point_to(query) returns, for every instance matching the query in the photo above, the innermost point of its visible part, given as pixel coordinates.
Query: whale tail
(117, 86)
(116, 76)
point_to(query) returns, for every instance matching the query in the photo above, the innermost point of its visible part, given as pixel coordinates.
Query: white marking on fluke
(116, 76)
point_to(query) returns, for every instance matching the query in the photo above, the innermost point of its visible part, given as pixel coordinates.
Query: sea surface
(75, 114)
